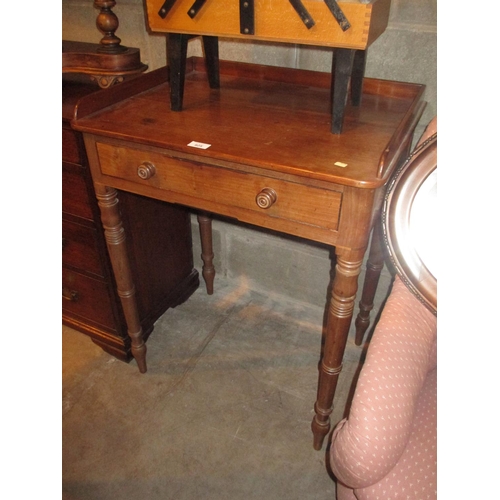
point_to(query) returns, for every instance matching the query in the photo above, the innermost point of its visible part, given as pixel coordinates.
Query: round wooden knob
(146, 170)
(266, 198)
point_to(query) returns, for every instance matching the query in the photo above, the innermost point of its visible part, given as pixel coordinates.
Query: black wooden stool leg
(342, 65)
(211, 49)
(358, 73)
(176, 57)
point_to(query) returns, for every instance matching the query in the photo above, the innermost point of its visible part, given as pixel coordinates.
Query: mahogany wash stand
(259, 150)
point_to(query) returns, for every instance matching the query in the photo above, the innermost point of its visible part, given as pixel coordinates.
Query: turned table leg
(340, 310)
(117, 248)
(207, 253)
(374, 268)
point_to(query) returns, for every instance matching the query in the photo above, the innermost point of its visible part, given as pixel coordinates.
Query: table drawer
(230, 188)
(80, 248)
(86, 298)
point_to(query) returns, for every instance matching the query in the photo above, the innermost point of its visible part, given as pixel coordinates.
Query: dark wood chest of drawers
(162, 260)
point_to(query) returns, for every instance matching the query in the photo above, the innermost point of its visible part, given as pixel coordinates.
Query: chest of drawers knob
(266, 198)
(68, 294)
(146, 170)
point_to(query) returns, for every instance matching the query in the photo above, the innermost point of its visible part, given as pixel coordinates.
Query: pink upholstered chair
(386, 448)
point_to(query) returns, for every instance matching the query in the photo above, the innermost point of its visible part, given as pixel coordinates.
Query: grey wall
(405, 52)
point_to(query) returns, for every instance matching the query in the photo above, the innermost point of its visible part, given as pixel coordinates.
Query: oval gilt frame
(399, 203)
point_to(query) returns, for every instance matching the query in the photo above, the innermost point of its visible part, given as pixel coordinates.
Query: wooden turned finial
(107, 23)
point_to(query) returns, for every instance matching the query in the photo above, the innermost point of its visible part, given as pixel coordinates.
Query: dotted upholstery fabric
(386, 449)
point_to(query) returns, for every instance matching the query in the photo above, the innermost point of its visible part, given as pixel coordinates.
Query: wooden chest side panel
(277, 21)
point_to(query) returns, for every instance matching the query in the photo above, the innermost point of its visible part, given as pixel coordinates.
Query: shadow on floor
(224, 410)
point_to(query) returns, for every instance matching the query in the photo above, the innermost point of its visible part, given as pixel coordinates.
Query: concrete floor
(223, 412)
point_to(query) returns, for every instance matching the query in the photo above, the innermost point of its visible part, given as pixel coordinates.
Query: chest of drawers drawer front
(87, 298)
(72, 150)
(291, 201)
(80, 248)
(75, 196)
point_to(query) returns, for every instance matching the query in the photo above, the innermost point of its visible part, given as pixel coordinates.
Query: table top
(269, 118)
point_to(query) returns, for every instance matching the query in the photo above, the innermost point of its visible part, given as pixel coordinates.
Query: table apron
(299, 209)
